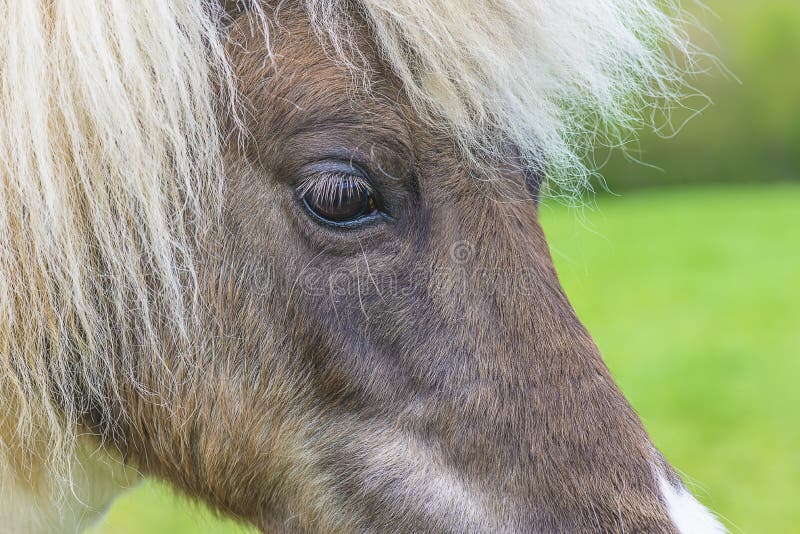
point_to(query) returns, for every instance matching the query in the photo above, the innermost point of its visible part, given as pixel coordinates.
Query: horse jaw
(32, 503)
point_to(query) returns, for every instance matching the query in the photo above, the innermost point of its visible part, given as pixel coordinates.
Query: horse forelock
(553, 78)
(110, 149)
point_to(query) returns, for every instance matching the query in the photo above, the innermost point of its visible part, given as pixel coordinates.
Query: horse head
(338, 310)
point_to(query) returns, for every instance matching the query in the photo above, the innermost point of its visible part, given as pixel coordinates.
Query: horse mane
(110, 150)
(108, 141)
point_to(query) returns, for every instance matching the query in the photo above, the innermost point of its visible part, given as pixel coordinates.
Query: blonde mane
(110, 150)
(108, 139)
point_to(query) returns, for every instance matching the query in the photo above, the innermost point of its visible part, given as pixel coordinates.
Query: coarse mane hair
(110, 150)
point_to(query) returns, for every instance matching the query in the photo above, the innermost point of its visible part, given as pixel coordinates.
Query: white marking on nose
(687, 514)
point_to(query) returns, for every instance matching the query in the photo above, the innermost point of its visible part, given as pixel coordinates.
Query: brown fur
(448, 387)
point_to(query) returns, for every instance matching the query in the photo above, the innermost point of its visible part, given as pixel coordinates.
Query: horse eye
(339, 199)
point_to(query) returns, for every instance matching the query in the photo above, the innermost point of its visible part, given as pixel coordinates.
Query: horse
(285, 255)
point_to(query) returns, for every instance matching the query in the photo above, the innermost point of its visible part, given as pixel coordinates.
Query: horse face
(385, 344)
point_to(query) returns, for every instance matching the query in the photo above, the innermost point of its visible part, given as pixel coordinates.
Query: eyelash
(328, 185)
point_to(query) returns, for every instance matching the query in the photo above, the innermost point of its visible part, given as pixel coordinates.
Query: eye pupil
(346, 202)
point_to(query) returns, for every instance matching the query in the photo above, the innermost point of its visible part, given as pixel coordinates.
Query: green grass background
(692, 295)
(694, 299)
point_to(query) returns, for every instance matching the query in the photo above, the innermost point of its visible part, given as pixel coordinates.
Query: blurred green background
(689, 279)
(749, 131)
